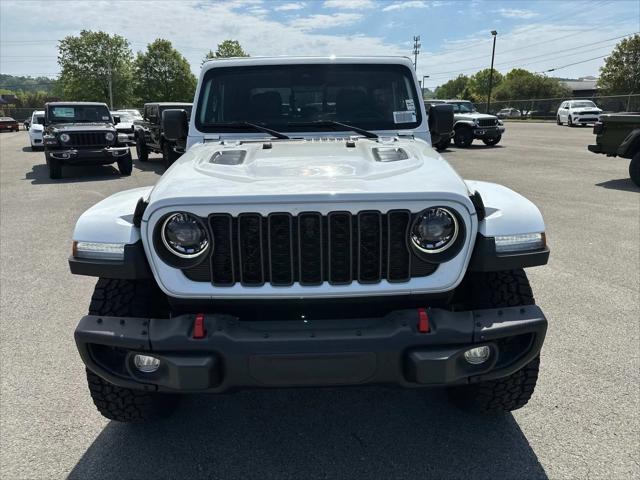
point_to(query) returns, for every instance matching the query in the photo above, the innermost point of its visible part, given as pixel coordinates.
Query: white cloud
(516, 13)
(287, 7)
(349, 4)
(405, 5)
(319, 22)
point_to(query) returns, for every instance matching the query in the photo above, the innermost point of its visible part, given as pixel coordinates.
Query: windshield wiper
(331, 123)
(260, 128)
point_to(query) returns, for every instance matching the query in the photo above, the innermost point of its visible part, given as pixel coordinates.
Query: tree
(621, 71)
(93, 65)
(226, 49)
(477, 89)
(520, 84)
(452, 88)
(162, 74)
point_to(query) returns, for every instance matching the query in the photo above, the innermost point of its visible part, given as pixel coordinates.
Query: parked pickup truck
(618, 135)
(309, 236)
(149, 136)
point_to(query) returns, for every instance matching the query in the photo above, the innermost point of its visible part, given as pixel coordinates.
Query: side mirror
(440, 121)
(116, 119)
(175, 124)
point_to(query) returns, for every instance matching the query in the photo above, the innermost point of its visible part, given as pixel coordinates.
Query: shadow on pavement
(39, 174)
(624, 184)
(152, 165)
(315, 433)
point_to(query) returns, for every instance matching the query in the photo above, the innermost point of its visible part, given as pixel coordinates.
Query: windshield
(37, 117)
(135, 114)
(463, 107)
(583, 104)
(286, 97)
(78, 114)
(125, 117)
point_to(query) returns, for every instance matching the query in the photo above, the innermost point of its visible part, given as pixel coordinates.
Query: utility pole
(110, 79)
(493, 54)
(416, 50)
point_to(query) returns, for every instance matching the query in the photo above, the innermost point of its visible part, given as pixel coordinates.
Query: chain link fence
(20, 114)
(547, 108)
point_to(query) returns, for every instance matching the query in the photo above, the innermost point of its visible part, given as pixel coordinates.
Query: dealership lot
(582, 422)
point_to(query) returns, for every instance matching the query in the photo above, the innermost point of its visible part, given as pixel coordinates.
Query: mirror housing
(175, 124)
(116, 119)
(440, 121)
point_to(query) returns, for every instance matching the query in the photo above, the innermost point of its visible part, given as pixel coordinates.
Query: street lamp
(493, 54)
(422, 87)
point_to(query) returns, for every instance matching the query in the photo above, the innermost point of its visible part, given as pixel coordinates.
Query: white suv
(578, 112)
(36, 128)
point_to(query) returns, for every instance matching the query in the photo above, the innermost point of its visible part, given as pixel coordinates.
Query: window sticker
(404, 117)
(62, 112)
(105, 117)
(410, 105)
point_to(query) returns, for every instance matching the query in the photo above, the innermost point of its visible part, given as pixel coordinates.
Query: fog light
(477, 355)
(146, 363)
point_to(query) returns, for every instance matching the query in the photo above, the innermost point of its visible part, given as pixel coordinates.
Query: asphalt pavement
(583, 421)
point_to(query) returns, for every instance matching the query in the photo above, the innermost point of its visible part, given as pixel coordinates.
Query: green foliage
(16, 83)
(477, 89)
(520, 84)
(621, 72)
(452, 88)
(34, 100)
(226, 49)
(89, 62)
(162, 74)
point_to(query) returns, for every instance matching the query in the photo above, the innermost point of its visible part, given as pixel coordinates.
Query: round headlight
(184, 235)
(65, 137)
(109, 136)
(434, 230)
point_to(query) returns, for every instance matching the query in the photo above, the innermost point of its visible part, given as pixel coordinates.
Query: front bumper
(89, 156)
(386, 350)
(488, 132)
(586, 119)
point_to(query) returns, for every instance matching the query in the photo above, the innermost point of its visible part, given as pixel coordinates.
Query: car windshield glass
(125, 117)
(464, 107)
(39, 119)
(291, 97)
(582, 104)
(78, 114)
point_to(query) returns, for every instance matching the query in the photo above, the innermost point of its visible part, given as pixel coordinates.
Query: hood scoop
(228, 157)
(389, 154)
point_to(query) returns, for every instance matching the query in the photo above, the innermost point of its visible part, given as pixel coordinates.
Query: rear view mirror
(116, 119)
(175, 124)
(440, 121)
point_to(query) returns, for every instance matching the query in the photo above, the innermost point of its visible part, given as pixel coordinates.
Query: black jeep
(150, 137)
(82, 133)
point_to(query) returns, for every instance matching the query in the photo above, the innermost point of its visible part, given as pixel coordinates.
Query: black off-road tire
(443, 144)
(169, 156)
(634, 169)
(55, 167)
(463, 137)
(125, 165)
(494, 290)
(492, 141)
(141, 149)
(137, 299)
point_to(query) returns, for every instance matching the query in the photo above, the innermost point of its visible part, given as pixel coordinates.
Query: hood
(322, 170)
(473, 116)
(81, 127)
(586, 109)
(36, 127)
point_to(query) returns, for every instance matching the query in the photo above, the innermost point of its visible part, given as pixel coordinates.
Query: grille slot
(487, 122)
(310, 248)
(87, 139)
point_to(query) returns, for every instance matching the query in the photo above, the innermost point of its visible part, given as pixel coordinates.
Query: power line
(571, 64)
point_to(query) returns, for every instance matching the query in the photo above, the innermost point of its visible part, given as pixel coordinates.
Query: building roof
(579, 85)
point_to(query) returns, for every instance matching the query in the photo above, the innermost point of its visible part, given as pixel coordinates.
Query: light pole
(422, 86)
(493, 54)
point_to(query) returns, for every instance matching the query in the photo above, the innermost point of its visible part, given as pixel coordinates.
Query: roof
(167, 104)
(76, 103)
(578, 85)
(290, 60)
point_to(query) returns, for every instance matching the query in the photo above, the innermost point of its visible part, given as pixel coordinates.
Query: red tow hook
(423, 321)
(198, 327)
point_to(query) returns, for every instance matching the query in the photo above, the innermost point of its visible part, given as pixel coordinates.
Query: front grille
(588, 113)
(87, 139)
(310, 248)
(487, 122)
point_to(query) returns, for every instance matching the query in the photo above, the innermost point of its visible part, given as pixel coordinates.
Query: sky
(455, 34)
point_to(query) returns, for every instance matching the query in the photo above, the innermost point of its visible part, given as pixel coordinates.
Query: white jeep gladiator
(309, 236)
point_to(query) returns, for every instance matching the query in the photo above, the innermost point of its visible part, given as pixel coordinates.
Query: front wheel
(634, 169)
(141, 149)
(463, 137)
(135, 299)
(492, 141)
(55, 167)
(443, 144)
(508, 288)
(558, 121)
(569, 121)
(125, 165)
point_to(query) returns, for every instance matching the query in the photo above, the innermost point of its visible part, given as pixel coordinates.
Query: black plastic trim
(134, 266)
(485, 258)
(141, 206)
